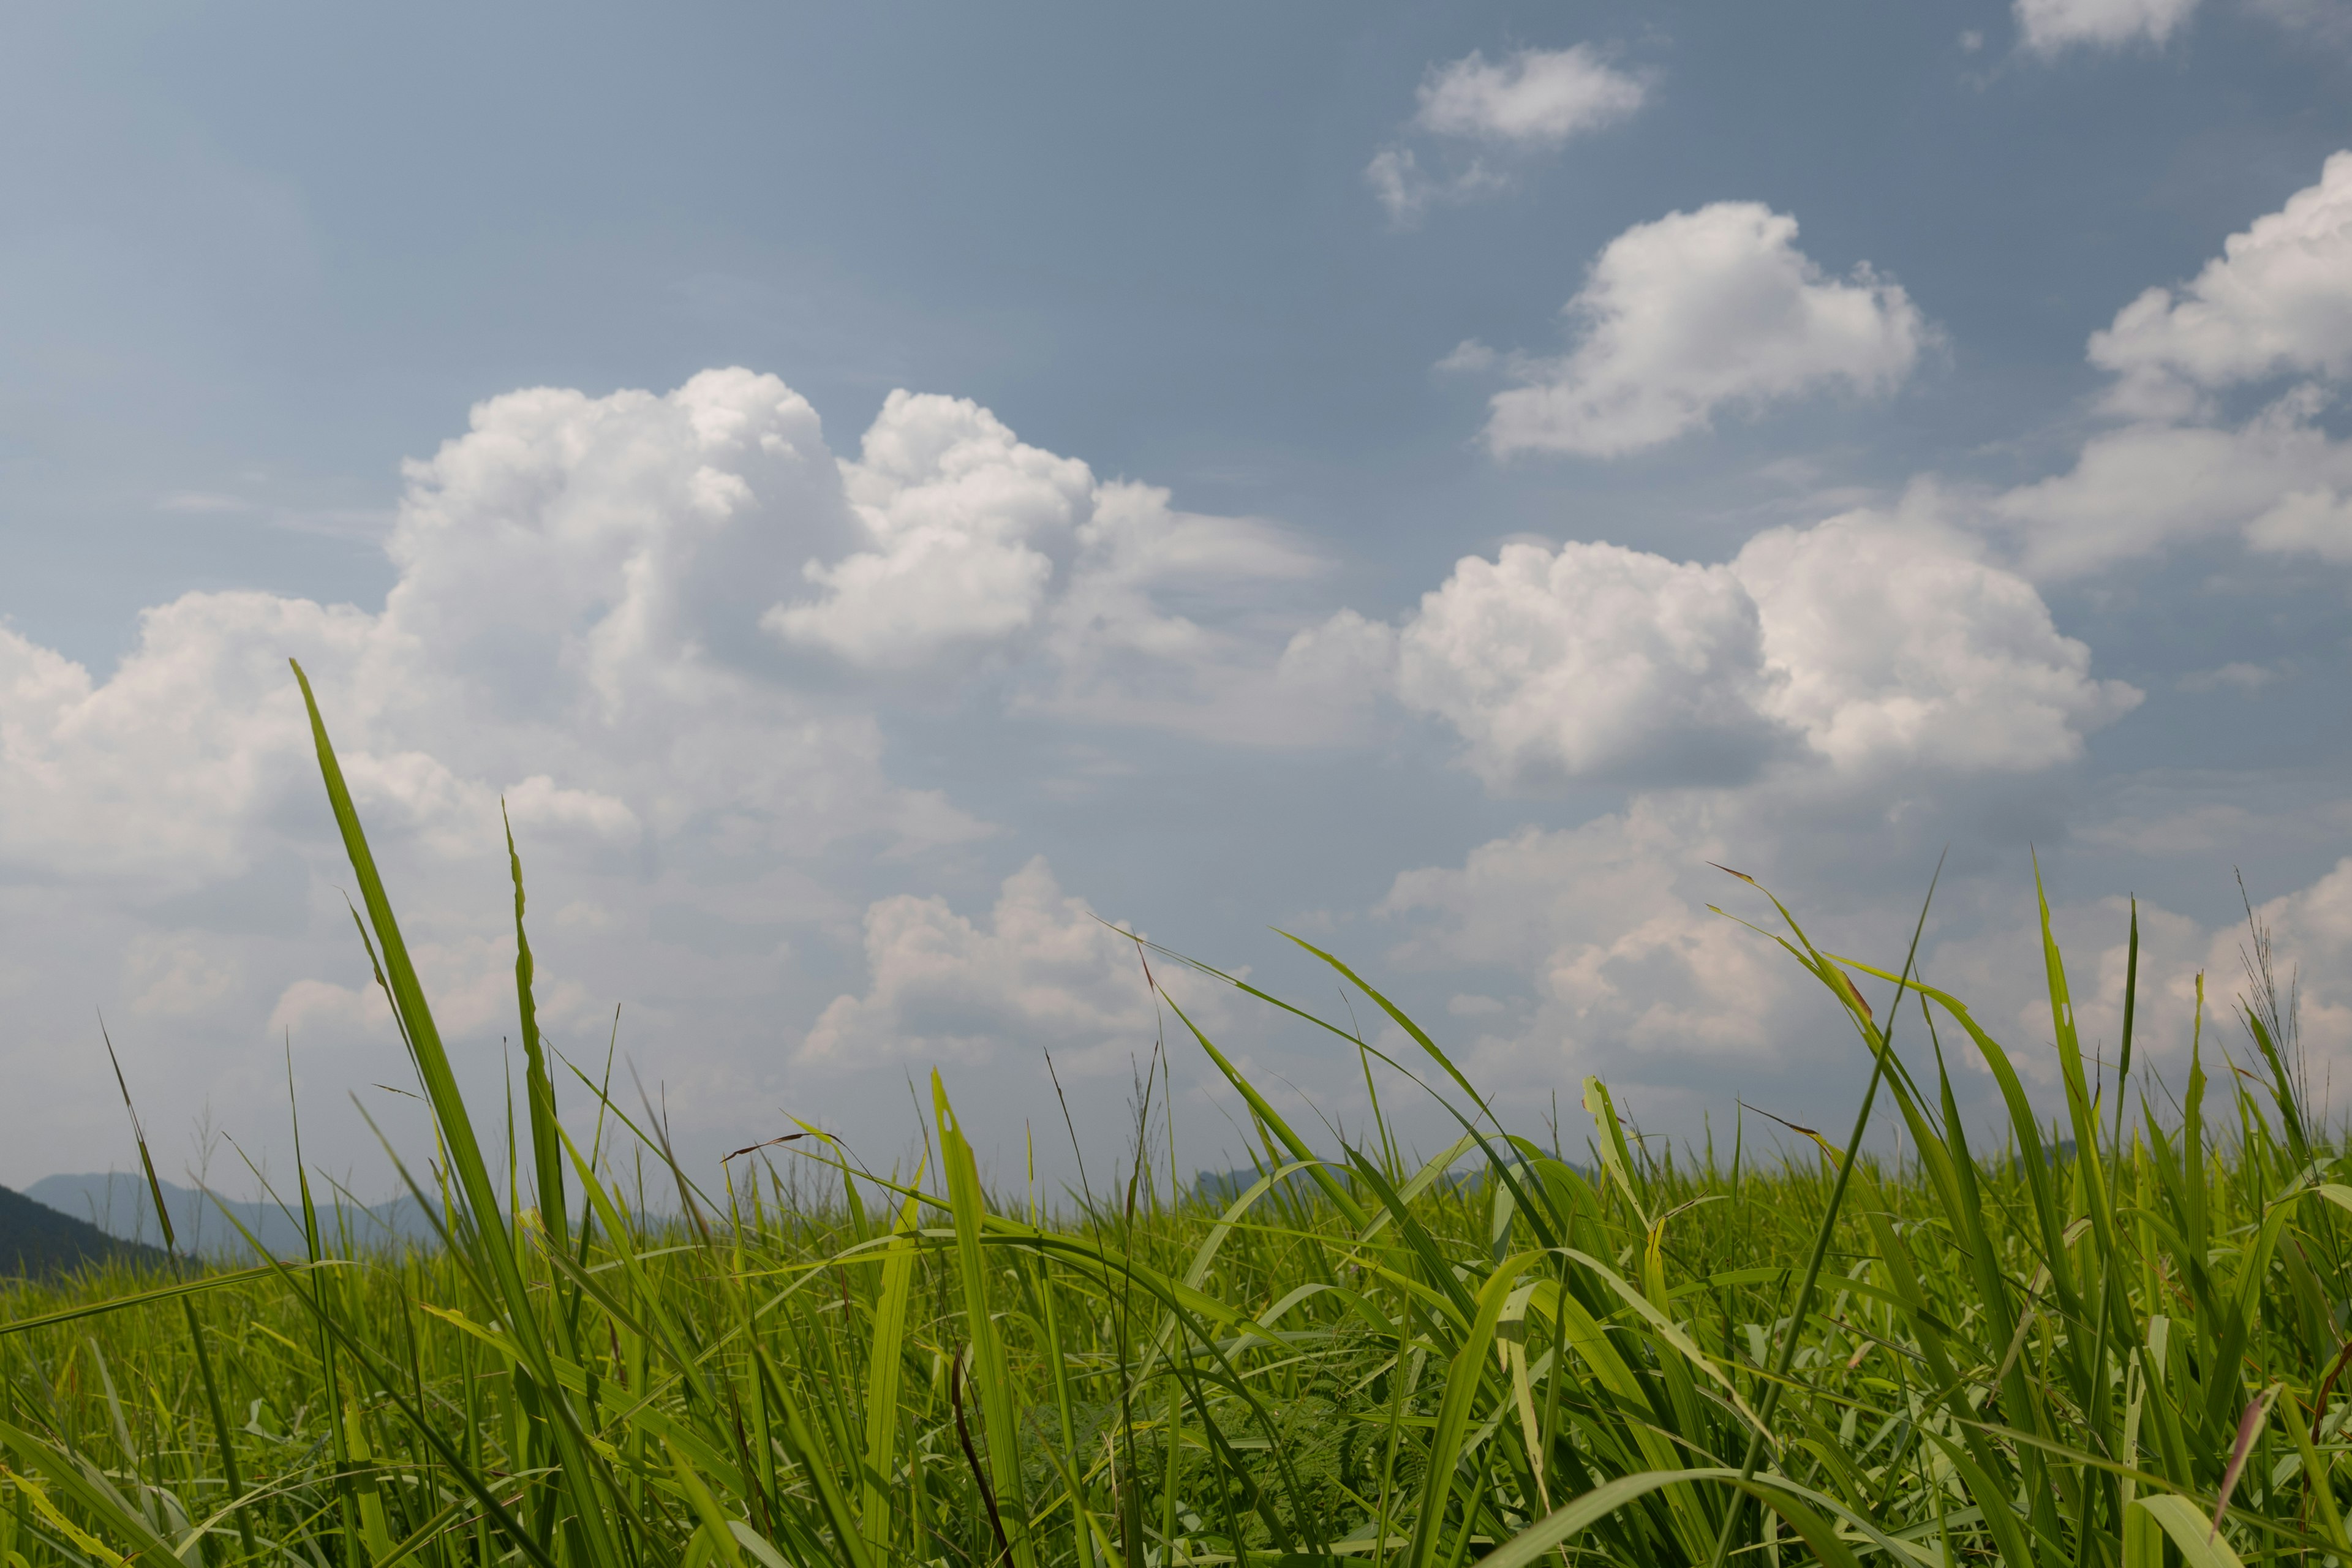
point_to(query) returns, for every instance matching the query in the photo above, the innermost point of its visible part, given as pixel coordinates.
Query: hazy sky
(875, 489)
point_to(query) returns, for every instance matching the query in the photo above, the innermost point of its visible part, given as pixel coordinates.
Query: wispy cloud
(1482, 119)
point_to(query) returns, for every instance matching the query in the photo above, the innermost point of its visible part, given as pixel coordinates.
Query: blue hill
(117, 1203)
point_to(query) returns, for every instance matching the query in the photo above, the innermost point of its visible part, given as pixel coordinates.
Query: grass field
(2116, 1340)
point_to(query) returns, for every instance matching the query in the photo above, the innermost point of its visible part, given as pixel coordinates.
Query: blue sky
(1429, 480)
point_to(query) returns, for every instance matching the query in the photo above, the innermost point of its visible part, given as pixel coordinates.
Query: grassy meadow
(2115, 1340)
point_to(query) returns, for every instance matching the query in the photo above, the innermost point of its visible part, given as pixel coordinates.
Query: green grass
(2115, 1340)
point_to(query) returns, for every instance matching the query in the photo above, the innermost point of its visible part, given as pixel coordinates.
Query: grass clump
(2118, 1340)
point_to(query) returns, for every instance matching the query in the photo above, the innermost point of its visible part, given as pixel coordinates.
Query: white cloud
(1172, 618)
(1533, 98)
(1530, 102)
(1042, 971)
(1815, 710)
(1862, 645)
(165, 769)
(961, 515)
(2277, 300)
(1395, 177)
(1698, 311)
(2048, 27)
(2277, 482)
(539, 802)
(575, 627)
(1894, 645)
(1097, 599)
(2313, 522)
(1340, 662)
(1590, 660)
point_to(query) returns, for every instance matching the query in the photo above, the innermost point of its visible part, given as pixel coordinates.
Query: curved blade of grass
(886, 1364)
(161, 1293)
(997, 1415)
(1882, 1049)
(492, 1241)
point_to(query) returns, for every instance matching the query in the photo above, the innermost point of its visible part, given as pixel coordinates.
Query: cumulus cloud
(1894, 645)
(1041, 970)
(1097, 599)
(1535, 97)
(2277, 300)
(1531, 101)
(2277, 482)
(164, 769)
(1699, 311)
(961, 515)
(576, 625)
(2048, 27)
(661, 630)
(2277, 303)
(1862, 645)
(572, 626)
(1593, 660)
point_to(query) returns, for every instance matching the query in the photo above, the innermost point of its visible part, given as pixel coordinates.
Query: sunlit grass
(2115, 1342)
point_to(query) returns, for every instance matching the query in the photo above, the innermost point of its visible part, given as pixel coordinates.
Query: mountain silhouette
(37, 1239)
(118, 1204)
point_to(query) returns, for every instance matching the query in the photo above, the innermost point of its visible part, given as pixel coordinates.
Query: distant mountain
(116, 1203)
(37, 1239)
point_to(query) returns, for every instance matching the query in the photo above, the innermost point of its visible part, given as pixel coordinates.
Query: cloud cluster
(1833, 696)
(2277, 303)
(2277, 482)
(1589, 662)
(573, 625)
(609, 615)
(1863, 646)
(665, 630)
(1094, 598)
(1698, 311)
(596, 601)
(1896, 646)
(1487, 117)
